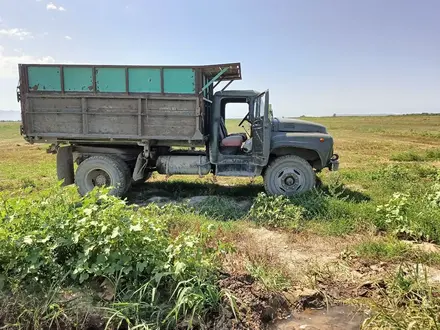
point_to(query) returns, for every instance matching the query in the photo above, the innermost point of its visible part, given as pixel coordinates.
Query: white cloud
(16, 33)
(9, 63)
(68, 37)
(52, 6)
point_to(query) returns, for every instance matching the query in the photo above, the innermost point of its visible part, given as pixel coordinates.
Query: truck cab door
(261, 129)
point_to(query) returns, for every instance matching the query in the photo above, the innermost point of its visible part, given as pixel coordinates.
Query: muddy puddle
(337, 317)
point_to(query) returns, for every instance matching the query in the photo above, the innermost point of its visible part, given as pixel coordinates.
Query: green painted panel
(179, 81)
(44, 78)
(78, 79)
(110, 79)
(144, 80)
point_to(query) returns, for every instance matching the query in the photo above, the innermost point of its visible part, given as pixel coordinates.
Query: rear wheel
(103, 171)
(289, 175)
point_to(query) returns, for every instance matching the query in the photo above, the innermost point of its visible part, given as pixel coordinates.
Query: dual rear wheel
(105, 171)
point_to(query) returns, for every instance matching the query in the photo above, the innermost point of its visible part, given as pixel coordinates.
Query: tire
(107, 170)
(289, 175)
(126, 168)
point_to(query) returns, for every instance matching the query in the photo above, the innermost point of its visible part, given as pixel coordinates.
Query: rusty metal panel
(112, 124)
(109, 106)
(61, 105)
(60, 116)
(175, 105)
(110, 80)
(77, 79)
(112, 116)
(130, 118)
(56, 123)
(165, 117)
(44, 78)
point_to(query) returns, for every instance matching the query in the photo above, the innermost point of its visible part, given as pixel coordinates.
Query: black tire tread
(126, 169)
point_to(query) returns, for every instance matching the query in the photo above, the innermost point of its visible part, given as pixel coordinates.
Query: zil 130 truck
(121, 123)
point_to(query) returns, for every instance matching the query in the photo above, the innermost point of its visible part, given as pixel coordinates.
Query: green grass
(58, 240)
(407, 156)
(433, 154)
(269, 276)
(393, 250)
(9, 131)
(407, 301)
(412, 156)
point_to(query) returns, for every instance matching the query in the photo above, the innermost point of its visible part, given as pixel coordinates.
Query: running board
(245, 170)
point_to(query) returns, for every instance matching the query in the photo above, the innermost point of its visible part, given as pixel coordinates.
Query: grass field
(232, 257)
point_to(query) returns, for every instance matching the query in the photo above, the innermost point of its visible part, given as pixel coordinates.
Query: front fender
(320, 143)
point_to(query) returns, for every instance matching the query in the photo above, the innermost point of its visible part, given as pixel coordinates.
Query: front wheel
(289, 175)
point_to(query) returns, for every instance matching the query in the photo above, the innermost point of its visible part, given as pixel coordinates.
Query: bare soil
(322, 279)
(254, 305)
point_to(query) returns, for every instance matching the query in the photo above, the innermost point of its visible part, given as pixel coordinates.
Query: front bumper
(334, 163)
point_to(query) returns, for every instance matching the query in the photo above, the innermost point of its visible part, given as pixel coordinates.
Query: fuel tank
(191, 164)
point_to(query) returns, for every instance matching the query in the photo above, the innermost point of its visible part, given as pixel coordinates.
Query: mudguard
(65, 169)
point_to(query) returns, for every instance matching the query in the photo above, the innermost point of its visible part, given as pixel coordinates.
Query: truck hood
(296, 125)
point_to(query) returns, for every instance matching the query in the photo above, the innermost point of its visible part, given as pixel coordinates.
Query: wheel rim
(97, 178)
(289, 180)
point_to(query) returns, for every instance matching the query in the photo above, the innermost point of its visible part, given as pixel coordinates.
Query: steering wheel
(245, 118)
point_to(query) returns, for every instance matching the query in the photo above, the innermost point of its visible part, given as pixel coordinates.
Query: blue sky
(317, 57)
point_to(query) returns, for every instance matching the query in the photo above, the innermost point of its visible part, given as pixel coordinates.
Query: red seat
(232, 141)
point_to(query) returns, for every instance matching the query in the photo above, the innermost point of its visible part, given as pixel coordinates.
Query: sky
(317, 57)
